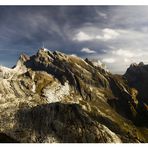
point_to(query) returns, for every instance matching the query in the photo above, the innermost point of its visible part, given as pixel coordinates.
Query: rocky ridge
(54, 97)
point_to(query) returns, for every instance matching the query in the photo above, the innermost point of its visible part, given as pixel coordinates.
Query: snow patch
(56, 91)
(33, 88)
(45, 49)
(73, 55)
(6, 72)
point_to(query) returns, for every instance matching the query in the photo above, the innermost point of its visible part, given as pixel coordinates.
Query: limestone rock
(54, 97)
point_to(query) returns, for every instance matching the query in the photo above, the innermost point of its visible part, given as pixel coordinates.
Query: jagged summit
(136, 65)
(54, 97)
(24, 57)
(135, 69)
(42, 50)
(137, 77)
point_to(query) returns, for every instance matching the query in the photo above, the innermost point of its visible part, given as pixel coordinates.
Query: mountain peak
(43, 49)
(137, 65)
(24, 57)
(55, 97)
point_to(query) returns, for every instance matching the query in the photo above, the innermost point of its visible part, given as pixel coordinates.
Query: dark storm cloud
(27, 27)
(114, 34)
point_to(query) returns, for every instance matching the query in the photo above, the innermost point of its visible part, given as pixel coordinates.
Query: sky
(115, 35)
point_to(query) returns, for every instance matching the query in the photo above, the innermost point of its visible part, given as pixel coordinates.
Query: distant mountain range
(54, 97)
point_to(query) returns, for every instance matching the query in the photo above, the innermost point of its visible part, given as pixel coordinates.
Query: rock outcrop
(54, 97)
(137, 77)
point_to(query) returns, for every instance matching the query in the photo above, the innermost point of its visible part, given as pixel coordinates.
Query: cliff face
(137, 77)
(54, 97)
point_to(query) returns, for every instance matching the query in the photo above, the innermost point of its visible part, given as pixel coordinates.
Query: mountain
(54, 97)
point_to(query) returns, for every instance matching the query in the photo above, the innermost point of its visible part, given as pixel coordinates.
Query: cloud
(96, 34)
(126, 60)
(124, 53)
(82, 36)
(107, 34)
(118, 60)
(104, 15)
(113, 32)
(87, 50)
(129, 53)
(108, 60)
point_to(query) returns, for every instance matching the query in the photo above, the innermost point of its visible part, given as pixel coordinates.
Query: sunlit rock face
(19, 68)
(56, 91)
(54, 97)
